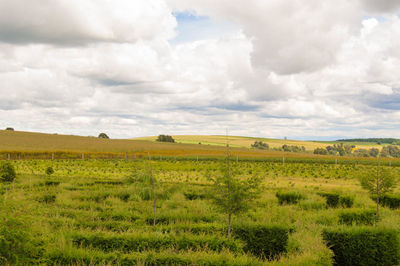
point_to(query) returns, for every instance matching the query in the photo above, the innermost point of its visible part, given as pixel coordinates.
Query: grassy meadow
(91, 212)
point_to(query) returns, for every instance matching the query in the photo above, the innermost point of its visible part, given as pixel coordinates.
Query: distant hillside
(373, 140)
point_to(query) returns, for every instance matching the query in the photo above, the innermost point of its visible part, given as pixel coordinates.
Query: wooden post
(83, 156)
(8, 156)
(52, 156)
(197, 158)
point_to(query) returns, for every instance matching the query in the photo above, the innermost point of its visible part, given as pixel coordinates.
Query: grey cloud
(377, 6)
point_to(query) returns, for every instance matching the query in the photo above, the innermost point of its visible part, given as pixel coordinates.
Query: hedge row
(357, 217)
(288, 197)
(363, 246)
(129, 243)
(335, 200)
(92, 257)
(263, 241)
(391, 201)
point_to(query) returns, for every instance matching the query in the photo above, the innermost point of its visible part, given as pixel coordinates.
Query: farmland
(91, 211)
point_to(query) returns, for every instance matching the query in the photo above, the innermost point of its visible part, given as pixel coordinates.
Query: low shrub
(47, 198)
(192, 195)
(7, 172)
(346, 201)
(391, 201)
(263, 241)
(51, 183)
(129, 243)
(288, 197)
(83, 257)
(363, 246)
(357, 217)
(334, 200)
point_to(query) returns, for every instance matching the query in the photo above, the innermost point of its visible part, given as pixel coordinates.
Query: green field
(91, 212)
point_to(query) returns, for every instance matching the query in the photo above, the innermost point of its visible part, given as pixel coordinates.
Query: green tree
(49, 171)
(234, 195)
(378, 182)
(165, 138)
(7, 172)
(103, 136)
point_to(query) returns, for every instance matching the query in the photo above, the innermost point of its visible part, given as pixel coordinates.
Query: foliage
(321, 151)
(10, 129)
(390, 151)
(103, 136)
(372, 140)
(363, 246)
(346, 201)
(334, 200)
(260, 145)
(391, 201)
(288, 197)
(378, 182)
(47, 198)
(234, 195)
(264, 241)
(293, 148)
(357, 217)
(7, 172)
(165, 138)
(49, 171)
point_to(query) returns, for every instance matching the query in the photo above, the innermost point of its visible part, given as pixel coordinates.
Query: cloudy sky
(305, 69)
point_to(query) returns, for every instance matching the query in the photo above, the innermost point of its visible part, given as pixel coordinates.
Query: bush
(51, 183)
(288, 197)
(346, 201)
(260, 145)
(7, 172)
(363, 246)
(357, 217)
(263, 241)
(48, 198)
(103, 136)
(18, 246)
(165, 138)
(49, 171)
(334, 200)
(156, 242)
(391, 201)
(192, 195)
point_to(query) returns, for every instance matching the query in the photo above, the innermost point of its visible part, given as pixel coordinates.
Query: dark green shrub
(357, 217)
(7, 172)
(346, 201)
(18, 246)
(263, 241)
(288, 197)
(332, 199)
(157, 242)
(48, 198)
(363, 246)
(51, 183)
(391, 201)
(165, 138)
(124, 196)
(49, 171)
(193, 195)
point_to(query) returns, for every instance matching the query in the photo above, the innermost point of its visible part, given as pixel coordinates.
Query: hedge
(93, 257)
(333, 200)
(391, 201)
(263, 241)
(129, 243)
(363, 246)
(288, 197)
(358, 217)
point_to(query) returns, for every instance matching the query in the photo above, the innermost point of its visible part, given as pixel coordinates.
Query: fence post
(8, 156)
(83, 156)
(52, 156)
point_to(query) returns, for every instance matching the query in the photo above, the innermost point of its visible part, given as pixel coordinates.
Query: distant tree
(10, 129)
(49, 171)
(103, 136)
(320, 151)
(390, 150)
(7, 172)
(378, 183)
(374, 152)
(260, 145)
(361, 153)
(165, 138)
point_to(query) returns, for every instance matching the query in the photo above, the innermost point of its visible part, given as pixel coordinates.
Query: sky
(301, 69)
